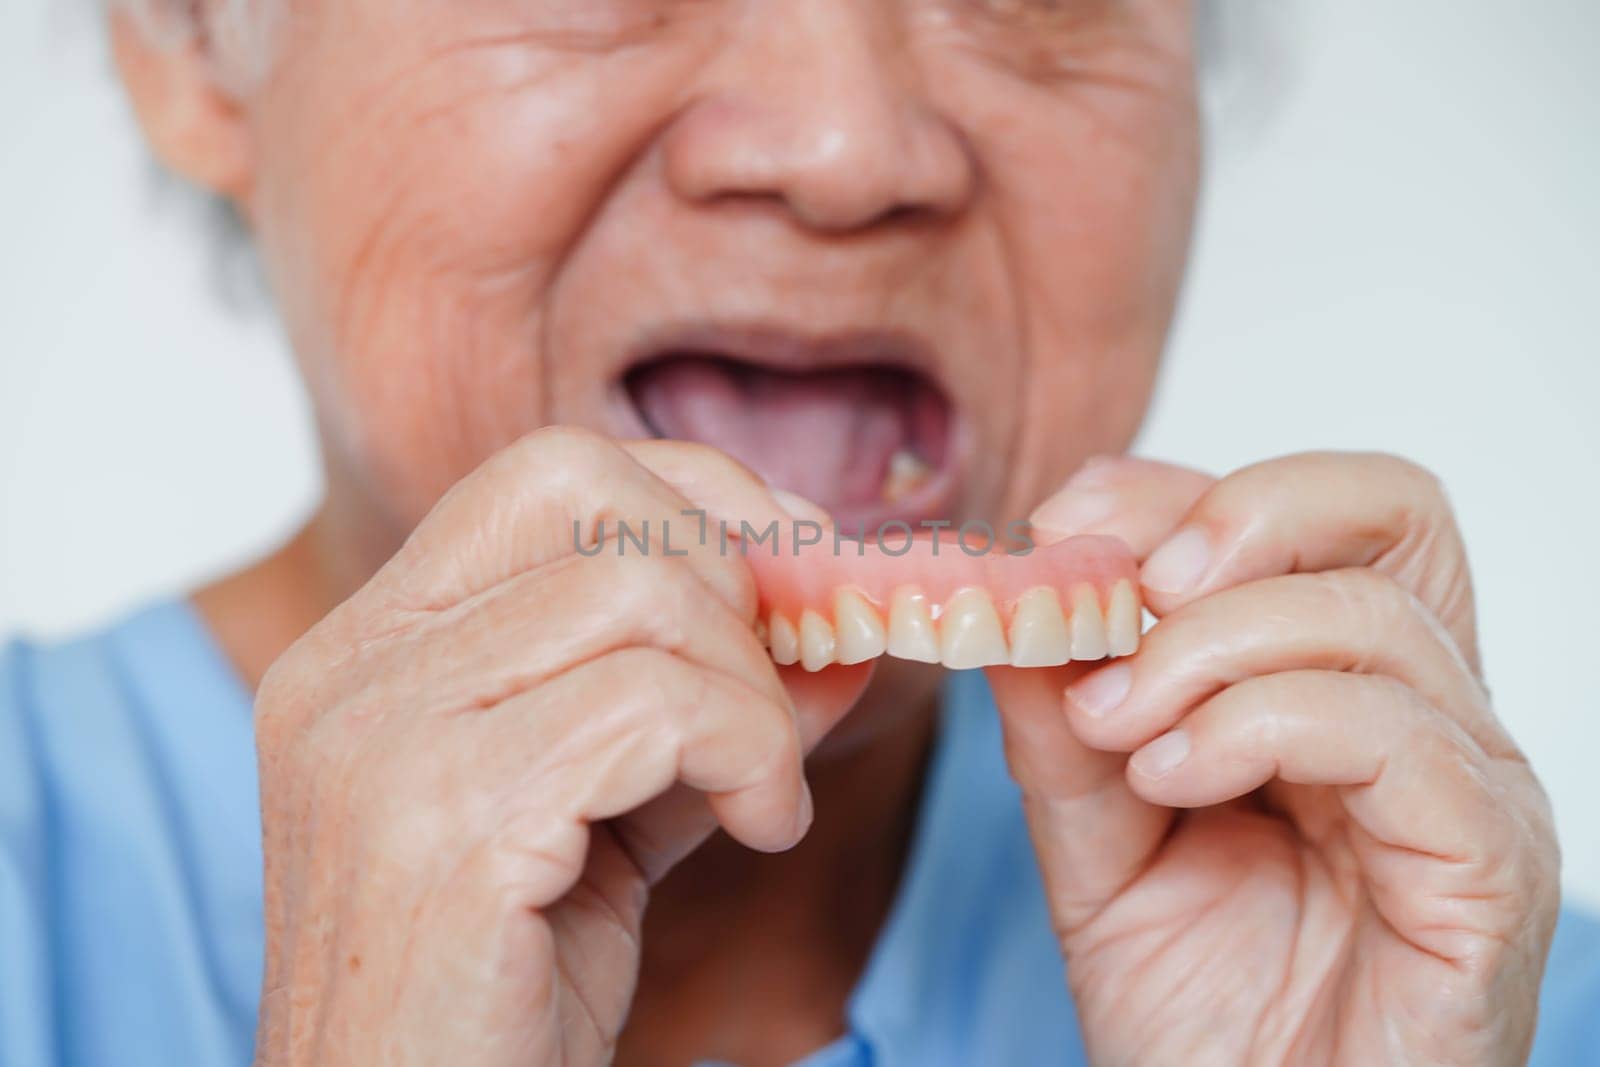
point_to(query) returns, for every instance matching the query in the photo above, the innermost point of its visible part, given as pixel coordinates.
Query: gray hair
(239, 31)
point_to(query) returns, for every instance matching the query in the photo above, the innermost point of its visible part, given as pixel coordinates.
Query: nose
(814, 104)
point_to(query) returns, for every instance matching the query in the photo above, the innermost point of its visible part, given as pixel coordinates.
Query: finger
(729, 491)
(673, 722)
(662, 832)
(1350, 620)
(1091, 832)
(1321, 511)
(1438, 820)
(1321, 728)
(822, 699)
(610, 735)
(527, 629)
(716, 482)
(554, 493)
(1141, 501)
(609, 603)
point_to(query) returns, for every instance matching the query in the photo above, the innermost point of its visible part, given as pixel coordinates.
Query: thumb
(1091, 832)
(1141, 501)
(660, 834)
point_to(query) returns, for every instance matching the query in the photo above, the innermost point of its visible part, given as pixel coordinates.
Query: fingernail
(799, 507)
(1177, 566)
(1161, 757)
(1072, 511)
(1094, 470)
(1102, 691)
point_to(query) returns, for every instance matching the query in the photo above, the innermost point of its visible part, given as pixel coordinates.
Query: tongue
(827, 435)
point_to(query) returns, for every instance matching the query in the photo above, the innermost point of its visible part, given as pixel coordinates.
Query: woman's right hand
(473, 770)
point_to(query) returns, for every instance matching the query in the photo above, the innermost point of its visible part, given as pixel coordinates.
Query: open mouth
(847, 424)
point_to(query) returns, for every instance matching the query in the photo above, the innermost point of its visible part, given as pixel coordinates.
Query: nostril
(835, 161)
(843, 208)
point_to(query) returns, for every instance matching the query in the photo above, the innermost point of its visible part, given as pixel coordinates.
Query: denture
(849, 602)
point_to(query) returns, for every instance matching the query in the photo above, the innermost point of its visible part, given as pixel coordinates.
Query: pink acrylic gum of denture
(829, 603)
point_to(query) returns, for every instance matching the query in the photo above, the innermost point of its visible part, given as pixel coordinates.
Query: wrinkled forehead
(1228, 32)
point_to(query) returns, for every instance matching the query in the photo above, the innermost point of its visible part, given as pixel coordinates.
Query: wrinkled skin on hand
(1323, 847)
(473, 770)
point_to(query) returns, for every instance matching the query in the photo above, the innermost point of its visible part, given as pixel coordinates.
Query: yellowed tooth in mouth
(817, 641)
(1088, 625)
(785, 642)
(969, 632)
(859, 629)
(1039, 636)
(908, 472)
(911, 632)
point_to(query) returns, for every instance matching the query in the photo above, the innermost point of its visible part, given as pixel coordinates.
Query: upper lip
(781, 348)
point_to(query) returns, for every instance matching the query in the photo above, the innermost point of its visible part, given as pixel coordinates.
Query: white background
(1400, 251)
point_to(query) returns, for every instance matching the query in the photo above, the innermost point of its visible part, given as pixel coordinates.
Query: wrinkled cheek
(1099, 256)
(418, 367)
(411, 261)
(408, 357)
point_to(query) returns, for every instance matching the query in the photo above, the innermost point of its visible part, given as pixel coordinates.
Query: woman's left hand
(1323, 847)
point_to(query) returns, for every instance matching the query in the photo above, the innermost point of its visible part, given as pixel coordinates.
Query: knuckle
(700, 453)
(1425, 503)
(511, 868)
(1256, 710)
(656, 682)
(561, 441)
(697, 455)
(560, 453)
(653, 677)
(286, 697)
(1406, 703)
(1536, 832)
(1273, 486)
(1372, 602)
(650, 579)
(1409, 472)
(778, 737)
(742, 583)
(334, 735)
(648, 598)
(771, 745)
(328, 670)
(666, 583)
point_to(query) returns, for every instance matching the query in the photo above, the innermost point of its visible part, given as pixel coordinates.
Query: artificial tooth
(1088, 626)
(817, 641)
(911, 632)
(970, 633)
(785, 641)
(859, 629)
(907, 473)
(1122, 620)
(1039, 636)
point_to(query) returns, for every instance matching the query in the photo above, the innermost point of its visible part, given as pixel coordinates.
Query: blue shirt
(130, 897)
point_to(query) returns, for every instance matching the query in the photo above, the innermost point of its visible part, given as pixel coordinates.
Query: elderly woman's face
(905, 257)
